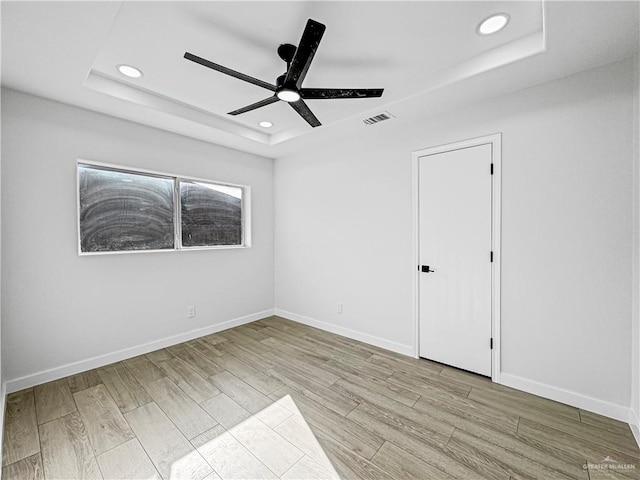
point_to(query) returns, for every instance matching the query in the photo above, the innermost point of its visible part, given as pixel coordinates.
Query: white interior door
(455, 245)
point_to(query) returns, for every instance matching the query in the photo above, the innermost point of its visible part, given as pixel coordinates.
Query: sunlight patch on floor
(274, 443)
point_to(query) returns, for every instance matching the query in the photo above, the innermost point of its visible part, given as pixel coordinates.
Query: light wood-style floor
(276, 399)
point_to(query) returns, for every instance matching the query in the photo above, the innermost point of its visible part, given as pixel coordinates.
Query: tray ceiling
(69, 51)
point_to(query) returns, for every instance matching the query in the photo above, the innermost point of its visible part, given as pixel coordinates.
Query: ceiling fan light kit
(288, 87)
(288, 95)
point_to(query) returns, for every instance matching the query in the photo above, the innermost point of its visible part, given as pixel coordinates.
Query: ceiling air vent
(381, 117)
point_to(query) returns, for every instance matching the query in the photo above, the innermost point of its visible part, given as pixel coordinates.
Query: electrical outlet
(339, 310)
(191, 311)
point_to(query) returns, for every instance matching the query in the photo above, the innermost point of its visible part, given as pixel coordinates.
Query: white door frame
(496, 192)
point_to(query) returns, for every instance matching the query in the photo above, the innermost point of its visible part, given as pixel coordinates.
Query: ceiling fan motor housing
(281, 85)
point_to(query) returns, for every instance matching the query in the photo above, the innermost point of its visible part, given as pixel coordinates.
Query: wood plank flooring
(276, 399)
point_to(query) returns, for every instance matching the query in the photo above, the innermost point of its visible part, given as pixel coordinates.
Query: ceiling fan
(288, 87)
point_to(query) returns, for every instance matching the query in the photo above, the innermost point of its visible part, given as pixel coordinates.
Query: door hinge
(491, 343)
(491, 256)
(492, 169)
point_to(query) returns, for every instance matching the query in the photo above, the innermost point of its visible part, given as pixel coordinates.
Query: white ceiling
(426, 55)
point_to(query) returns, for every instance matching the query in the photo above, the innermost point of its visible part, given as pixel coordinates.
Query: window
(123, 210)
(211, 214)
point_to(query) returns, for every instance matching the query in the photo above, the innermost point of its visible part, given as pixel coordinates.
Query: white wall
(59, 308)
(343, 232)
(2, 384)
(635, 337)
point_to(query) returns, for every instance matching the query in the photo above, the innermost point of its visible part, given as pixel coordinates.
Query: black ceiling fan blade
(305, 113)
(253, 106)
(329, 93)
(228, 71)
(304, 53)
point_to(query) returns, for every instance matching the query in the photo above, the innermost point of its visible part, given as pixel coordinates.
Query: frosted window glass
(211, 214)
(122, 211)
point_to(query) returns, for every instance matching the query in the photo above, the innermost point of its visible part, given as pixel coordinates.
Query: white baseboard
(634, 423)
(347, 332)
(102, 360)
(578, 400)
(3, 406)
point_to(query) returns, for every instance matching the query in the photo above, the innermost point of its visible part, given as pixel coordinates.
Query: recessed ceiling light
(288, 95)
(493, 24)
(266, 124)
(129, 71)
